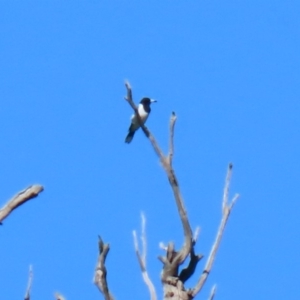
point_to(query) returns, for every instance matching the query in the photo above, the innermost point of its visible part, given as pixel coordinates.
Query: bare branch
(171, 142)
(196, 234)
(226, 187)
(19, 199)
(233, 201)
(188, 272)
(100, 272)
(182, 255)
(183, 216)
(143, 239)
(225, 215)
(173, 259)
(142, 258)
(28, 290)
(212, 293)
(162, 246)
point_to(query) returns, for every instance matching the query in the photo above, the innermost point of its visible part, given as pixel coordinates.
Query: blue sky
(230, 71)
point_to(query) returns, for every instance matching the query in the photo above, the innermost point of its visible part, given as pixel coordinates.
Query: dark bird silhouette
(144, 111)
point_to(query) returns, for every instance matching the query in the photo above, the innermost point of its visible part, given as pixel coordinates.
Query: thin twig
(143, 239)
(28, 290)
(226, 187)
(225, 214)
(196, 234)
(59, 296)
(171, 141)
(142, 259)
(19, 199)
(162, 246)
(212, 293)
(100, 272)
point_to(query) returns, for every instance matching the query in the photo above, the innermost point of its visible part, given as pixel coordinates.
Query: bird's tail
(129, 137)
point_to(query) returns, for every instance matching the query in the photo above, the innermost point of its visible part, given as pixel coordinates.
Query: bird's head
(147, 101)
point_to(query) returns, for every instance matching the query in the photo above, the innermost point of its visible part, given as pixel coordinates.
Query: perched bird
(144, 111)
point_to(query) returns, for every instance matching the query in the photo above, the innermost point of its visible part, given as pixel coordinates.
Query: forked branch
(173, 259)
(167, 165)
(226, 209)
(19, 199)
(100, 272)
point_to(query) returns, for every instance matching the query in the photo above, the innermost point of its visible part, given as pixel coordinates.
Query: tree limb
(100, 272)
(173, 287)
(226, 209)
(187, 272)
(28, 290)
(19, 199)
(142, 259)
(185, 251)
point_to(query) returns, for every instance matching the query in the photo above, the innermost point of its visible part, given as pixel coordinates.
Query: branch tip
(233, 201)
(226, 209)
(23, 196)
(100, 270)
(28, 290)
(142, 257)
(196, 234)
(212, 293)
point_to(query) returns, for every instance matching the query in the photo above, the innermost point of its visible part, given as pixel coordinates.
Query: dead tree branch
(142, 258)
(166, 163)
(173, 259)
(100, 272)
(28, 290)
(19, 199)
(212, 293)
(226, 209)
(171, 142)
(173, 282)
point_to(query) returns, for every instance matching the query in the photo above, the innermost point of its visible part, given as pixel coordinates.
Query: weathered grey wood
(19, 199)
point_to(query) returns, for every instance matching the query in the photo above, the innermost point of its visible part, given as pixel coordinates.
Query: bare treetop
(173, 279)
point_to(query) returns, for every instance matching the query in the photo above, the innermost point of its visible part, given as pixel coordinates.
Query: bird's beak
(152, 100)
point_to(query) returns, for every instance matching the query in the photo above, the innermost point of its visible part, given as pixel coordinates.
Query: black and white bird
(144, 111)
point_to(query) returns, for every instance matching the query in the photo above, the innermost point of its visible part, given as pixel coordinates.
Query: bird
(144, 111)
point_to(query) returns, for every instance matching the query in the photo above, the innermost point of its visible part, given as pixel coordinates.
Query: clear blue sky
(231, 72)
